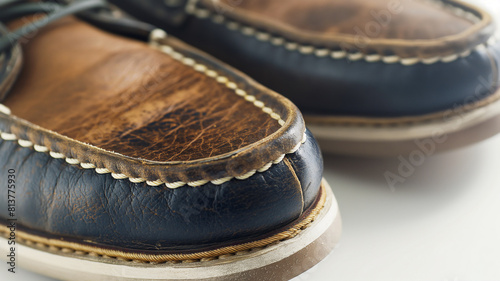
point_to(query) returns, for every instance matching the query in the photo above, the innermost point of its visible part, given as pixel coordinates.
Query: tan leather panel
(123, 96)
(401, 19)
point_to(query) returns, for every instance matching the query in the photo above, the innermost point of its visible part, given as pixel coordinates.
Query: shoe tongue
(168, 12)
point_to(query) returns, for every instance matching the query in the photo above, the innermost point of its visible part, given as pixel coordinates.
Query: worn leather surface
(407, 28)
(130, 99)
(334, 17)
(324, 86)
(122, 95)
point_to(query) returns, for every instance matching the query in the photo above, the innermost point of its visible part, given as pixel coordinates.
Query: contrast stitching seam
(193, 9)
(201, 260)
(158, 34)
(119, 176)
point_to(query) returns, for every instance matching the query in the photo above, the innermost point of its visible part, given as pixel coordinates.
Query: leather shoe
(122, 159)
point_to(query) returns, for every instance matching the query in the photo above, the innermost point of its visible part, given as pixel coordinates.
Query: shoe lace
(12, 9)
(96, 12)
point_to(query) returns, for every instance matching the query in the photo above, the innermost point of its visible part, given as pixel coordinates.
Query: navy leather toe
(65, 200)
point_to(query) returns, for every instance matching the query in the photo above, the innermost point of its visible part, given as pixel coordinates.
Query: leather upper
(351, 58)
(158, 147)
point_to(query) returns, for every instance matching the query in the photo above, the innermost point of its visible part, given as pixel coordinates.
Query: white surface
(442, 224)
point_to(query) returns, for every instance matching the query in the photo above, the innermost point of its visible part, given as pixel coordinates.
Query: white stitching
(25, 143)
(7, 136)
(89, 166)
(136, 180)
(247, 175)
(175, 185)
(5, 110)
(154, 183)
(72, 161)
(56, 155)
(158, 34)
(192, 9)
(40, 148)
(119, 176)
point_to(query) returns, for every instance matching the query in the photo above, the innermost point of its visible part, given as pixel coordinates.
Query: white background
(442, 224)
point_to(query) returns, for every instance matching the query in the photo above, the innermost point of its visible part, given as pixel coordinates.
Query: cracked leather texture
(327, 87)
(130, 99)
(151, 116)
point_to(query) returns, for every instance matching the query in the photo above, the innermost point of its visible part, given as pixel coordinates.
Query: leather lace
(95, 12)
(13, 9)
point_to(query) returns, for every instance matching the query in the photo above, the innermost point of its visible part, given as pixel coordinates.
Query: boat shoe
(121, 159)
(371, 76)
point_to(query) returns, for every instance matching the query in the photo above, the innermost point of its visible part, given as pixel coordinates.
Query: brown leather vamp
(406, 28)
(125, 97)
(133, 103)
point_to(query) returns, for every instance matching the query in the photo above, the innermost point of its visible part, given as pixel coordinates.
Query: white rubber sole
(281, 261)
(448, 130)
